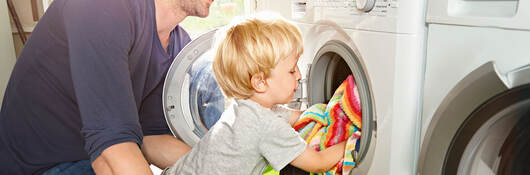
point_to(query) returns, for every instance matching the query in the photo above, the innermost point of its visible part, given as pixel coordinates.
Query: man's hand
(163, 150)
(122, 158)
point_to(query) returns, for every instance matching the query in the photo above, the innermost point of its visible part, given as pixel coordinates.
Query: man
(85, 93)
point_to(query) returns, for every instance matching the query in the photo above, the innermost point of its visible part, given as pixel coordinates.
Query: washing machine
(476, 101)
(379, 42)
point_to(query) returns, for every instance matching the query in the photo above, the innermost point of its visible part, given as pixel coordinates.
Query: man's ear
(259, 83)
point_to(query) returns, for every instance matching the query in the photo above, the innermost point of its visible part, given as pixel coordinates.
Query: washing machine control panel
(354, 7)
(375, 15)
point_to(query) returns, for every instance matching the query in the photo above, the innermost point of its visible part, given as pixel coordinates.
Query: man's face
(200, 8)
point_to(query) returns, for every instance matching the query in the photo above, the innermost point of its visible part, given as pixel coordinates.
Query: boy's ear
(259, 83)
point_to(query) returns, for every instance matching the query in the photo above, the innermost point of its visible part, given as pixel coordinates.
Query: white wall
(7, 50)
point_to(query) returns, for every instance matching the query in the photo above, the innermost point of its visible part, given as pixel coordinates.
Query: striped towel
(323, 125)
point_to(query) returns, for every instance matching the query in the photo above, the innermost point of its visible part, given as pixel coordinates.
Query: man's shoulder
(182, 34)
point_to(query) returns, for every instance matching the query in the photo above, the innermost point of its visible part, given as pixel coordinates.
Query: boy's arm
(295, 114)
(318, 162)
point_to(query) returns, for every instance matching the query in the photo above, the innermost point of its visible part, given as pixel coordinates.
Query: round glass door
(333, 62)
(206, 99)
(494, 138)
(193, 102)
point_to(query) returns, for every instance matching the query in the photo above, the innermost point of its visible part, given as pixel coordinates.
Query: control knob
(365, 5)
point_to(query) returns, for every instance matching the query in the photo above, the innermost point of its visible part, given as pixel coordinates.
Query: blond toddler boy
(256, 67)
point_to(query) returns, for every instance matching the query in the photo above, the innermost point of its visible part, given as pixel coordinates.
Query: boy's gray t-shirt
(243, 141)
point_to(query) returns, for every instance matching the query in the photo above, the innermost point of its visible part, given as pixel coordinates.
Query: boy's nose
(298, 74)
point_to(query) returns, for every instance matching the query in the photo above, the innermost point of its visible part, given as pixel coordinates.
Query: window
(221, 13)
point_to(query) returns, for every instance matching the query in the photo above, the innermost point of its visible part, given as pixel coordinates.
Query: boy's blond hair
(252, 46)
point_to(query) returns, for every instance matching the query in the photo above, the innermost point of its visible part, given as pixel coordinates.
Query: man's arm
(122, 158)
(163, 150)
(318, 162)
(99, 38)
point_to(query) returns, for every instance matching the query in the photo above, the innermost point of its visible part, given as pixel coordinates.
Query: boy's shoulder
(267, 121)
(252, 109)
(249, 106)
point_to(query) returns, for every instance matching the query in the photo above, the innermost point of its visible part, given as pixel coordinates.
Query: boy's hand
(319, 162)
(295, 114)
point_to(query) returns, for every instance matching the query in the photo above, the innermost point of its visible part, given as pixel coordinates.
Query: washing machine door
(481, 131)
(330, 56)
(192, 100)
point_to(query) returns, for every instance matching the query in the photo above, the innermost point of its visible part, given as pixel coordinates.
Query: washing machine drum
(192, 100)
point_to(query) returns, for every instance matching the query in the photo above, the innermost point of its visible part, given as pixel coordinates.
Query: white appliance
(477, 92)
(379, 42)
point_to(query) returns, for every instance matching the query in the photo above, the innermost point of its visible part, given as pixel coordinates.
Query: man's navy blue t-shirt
(90, 76)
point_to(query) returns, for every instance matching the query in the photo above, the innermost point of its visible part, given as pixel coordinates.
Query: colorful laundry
(323, 125)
